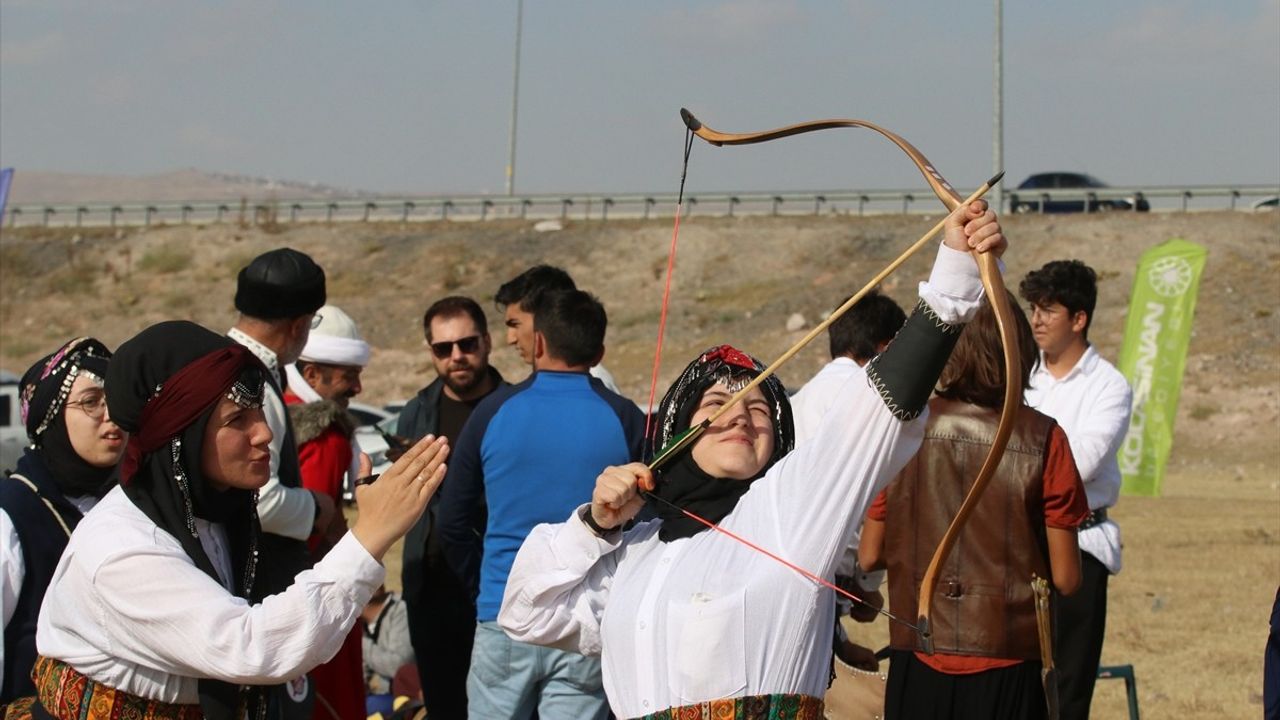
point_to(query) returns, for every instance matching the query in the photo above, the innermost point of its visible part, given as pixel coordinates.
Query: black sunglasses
(444, 348)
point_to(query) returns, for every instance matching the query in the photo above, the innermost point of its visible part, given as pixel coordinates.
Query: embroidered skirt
(754, 707)
(67, 695)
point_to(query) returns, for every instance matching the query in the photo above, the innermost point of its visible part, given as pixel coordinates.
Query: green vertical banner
(1154, 355)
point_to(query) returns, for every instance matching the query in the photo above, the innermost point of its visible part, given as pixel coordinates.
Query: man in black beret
(278, 294)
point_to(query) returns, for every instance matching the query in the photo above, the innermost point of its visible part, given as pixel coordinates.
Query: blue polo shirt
(532, 451)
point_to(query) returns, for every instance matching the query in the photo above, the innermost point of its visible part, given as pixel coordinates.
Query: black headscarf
(162, 386)
(44, 390)
(683, 483)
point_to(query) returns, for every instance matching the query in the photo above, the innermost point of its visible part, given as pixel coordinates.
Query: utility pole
(997, 125)
(515, 97)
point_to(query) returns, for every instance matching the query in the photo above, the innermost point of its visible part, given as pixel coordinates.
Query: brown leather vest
(983, 605)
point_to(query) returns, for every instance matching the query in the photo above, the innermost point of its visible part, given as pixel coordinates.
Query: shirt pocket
(707, 641)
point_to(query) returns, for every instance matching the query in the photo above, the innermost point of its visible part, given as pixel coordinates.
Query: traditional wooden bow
(992, 282)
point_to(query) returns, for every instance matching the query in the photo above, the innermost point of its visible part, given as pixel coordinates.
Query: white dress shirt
(282, 510)
(810, 403)
(809, 407)
(128, 608)
(1092, 403)
(13, 567)
(705, 617)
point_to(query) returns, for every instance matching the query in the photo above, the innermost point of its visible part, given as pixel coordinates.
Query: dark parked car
(1029, 195)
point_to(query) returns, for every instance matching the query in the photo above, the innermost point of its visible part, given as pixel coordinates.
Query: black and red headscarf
(162, 387)
(682, 482)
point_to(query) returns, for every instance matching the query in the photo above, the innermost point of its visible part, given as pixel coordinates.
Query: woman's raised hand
(392, 504)
(616, 498)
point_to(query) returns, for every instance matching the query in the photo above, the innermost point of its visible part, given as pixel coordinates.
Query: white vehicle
(373, 422)
(13, 434)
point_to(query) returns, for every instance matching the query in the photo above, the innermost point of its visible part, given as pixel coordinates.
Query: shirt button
(642, 625)
(666, 560)
(645, 703)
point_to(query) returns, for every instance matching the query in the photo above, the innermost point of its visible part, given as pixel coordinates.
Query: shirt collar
(1085, 365)
(263, 353)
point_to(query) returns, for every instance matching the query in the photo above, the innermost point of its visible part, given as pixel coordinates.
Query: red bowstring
(839, 590)
(650, 427)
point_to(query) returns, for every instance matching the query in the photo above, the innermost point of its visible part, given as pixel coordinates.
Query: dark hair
(528, 285)
(451, 306)
(1069, 282)
(573, 323)
(873, 320)
(975, 372)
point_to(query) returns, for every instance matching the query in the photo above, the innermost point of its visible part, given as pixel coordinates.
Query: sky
(415, 97)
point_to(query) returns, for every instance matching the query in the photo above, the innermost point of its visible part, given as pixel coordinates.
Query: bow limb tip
(925, 632)
(690, 121)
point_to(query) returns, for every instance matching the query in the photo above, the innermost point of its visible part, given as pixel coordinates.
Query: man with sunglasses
(442, 614)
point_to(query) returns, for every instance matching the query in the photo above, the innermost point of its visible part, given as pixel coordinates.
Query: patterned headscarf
(727, 364)
(682, 483)
(46, 385)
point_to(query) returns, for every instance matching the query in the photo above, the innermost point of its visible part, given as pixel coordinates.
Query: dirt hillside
(1202, 563)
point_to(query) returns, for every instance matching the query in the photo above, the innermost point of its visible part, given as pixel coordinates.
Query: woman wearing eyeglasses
(74, 451)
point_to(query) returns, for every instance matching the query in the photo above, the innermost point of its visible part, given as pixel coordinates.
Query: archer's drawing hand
(975, 227)
(616, 498)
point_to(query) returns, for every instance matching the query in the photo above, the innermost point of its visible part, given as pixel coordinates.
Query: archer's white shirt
(1092, 403)
(809, 407)
(128, 608)
(704, 617)
(810, 403)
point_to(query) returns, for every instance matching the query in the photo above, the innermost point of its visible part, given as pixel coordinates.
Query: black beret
(282, 283)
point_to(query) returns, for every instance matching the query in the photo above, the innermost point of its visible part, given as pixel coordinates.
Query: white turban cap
(335, 340)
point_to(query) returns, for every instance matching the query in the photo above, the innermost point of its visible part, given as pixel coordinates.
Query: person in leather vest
(987, 661)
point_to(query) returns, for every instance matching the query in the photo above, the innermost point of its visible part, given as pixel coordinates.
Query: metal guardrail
(1173, 197)
(590, 206)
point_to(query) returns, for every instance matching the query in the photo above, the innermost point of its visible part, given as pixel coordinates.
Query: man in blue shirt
(533, 452)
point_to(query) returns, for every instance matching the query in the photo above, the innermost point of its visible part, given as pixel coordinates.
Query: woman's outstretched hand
(392, 504)
(616, 498)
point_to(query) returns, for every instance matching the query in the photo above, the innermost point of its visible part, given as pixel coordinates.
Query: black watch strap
(595, 526)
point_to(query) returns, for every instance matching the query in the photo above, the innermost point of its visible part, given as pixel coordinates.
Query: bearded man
(442, 615)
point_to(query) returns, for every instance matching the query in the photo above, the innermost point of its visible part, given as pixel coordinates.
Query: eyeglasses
(444, 348)
(316, 319)
(95, 405)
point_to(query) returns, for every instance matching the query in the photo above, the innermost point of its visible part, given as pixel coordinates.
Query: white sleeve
(160, 611)
(282, 510)
(1105, 423)
(558, 586)
(814, 499)
(954, 289)
(13, 570)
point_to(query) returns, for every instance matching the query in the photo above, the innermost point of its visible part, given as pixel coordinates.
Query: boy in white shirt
(1092, 401)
